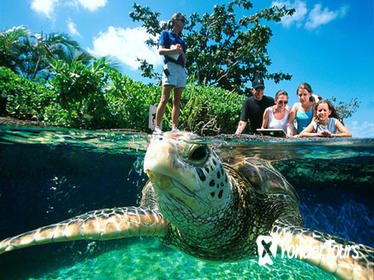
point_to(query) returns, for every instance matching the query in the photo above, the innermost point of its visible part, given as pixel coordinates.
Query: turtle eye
(199, 154)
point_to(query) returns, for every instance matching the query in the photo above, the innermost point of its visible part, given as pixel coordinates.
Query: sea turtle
(213, 209)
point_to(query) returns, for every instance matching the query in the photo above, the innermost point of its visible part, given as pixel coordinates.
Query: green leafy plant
(344, 109)
(98, 96)
(21, 98)
(80, 91)
(224, 50)
(30, 54)
(129, 101)
(209, 110)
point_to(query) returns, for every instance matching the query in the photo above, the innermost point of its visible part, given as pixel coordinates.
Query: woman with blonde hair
(173, 48)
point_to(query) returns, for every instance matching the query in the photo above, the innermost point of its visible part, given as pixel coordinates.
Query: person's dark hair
(334, 113)
(315, 98)
(173, 18)
(305, 86)
(279, 93)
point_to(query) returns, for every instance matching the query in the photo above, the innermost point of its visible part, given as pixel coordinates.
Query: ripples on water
(50, 175)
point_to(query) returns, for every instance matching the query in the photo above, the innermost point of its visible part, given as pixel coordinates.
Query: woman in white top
(276, 116)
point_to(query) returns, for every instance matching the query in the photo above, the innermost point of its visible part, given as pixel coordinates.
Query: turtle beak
(161, 158)
(169, 175)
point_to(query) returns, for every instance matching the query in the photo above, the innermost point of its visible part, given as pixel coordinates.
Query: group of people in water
(309, 117)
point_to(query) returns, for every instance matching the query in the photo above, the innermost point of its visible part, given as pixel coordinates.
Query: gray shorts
(177, 76)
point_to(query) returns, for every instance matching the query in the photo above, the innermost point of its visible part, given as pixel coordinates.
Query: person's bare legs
(161, 106)
(176, 107)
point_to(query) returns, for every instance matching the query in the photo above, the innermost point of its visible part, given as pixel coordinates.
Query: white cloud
(361, 129)
(92, 5)
(72, 28)
(126, 45)
(318, 17)
(45, 7)
(315, 18)
(297, 17)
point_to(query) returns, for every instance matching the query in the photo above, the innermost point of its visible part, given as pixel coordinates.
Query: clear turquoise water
(50, 175)
(148, 259)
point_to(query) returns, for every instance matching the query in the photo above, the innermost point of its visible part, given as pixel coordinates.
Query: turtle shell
(263, 177)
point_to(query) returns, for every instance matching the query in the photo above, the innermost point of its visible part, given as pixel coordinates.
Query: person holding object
(254, 107)
(276, 117)
(173, 48)
(326, 123)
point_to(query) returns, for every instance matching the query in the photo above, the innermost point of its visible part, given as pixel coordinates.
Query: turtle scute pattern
(208, 208)
(102, 224)
(262, 176)
(213, 229)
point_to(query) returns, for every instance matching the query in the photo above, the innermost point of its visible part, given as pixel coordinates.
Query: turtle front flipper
(342, 258)
(95, 225)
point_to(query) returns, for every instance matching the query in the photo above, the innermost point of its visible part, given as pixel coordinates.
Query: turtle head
(187, 176)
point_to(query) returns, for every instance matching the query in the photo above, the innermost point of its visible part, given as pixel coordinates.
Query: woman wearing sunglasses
(173, 48)
(276, 117)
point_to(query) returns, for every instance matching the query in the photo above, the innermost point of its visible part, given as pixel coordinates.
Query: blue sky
(327, 43)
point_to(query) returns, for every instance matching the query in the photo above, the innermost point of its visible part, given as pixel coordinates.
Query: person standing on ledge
(254, 107)
(173, 48)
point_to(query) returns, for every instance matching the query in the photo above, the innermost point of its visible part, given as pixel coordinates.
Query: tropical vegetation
(224, 49)
(99, 97)
(50, 79)
(30, 54)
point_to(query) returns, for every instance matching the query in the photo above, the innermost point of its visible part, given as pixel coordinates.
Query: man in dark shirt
(254, 107)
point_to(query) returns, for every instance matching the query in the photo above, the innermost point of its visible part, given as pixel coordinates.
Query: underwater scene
(49, 175)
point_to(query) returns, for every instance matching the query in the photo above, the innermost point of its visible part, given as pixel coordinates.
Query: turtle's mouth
(175, 190)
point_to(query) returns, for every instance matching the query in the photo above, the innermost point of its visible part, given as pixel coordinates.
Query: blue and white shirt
(330, 126)
(169, 38)
(303, 119)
